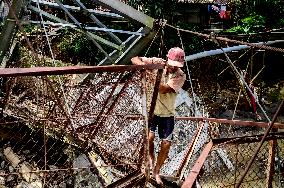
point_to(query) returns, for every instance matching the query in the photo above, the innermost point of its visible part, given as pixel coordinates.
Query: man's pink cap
(176, 57)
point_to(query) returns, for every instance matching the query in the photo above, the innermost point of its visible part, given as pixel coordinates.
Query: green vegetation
(250, 24)
(75, 47)
(257, 16)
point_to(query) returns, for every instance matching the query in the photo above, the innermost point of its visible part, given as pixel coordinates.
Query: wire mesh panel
(226, 163)
(56, 132)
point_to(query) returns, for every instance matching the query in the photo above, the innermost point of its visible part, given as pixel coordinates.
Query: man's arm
(164, 88)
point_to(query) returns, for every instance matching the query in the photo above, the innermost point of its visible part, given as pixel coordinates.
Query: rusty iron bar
(155, 95)
(130, 117)
(138, 116)
(125, 179)
(155, 184)
(189, 182)
(260, 144)
(236, 164)
(271, 162)
(248, 139)
(233, 122)
(22, 30)
(138, 180)
(145, 148)
(42, 71)
(189, 151)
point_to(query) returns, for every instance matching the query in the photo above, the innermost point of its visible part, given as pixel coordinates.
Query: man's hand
(137, 61)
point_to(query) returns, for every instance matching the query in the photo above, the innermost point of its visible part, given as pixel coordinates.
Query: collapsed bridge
(85, 126)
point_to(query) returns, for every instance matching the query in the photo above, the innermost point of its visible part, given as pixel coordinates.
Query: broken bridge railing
(60, 131)
(74, 132)
(223, 160)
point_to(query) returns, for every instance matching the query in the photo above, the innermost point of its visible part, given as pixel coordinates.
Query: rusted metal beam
(155, 95)
(125, 179)
(248, 139)
(127, 11)
(82, 96)
(41, 71)
(233, 122)
(260, 144)
(271, 163)
(189, 150)
(189, 182)
(146, 125)
(60, 103)
(9, 29)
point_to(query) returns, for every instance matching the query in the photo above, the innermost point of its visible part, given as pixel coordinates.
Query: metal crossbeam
(7, 34)
(127, 11)
(87, 28)
(42, 71)
(233, 122)
(97, 21)
(77, 9)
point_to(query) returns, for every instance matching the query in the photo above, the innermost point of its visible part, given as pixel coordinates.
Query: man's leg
(162, 156)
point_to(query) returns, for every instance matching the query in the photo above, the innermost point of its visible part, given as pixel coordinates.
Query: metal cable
(193, 94)
(230, 40)
(152, 41)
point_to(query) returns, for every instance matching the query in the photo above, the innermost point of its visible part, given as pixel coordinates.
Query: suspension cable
(230, 40)
(190, 81)
(153, 40)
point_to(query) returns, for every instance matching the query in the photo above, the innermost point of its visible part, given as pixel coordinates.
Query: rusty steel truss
(105, 121)
(79, 126)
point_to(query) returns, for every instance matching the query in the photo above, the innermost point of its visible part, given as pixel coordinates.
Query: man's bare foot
(158, 179)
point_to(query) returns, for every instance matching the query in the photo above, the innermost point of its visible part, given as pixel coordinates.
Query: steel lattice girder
(118, 51)
(121, 49)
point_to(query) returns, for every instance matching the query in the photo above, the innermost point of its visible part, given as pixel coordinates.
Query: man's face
(171, 69)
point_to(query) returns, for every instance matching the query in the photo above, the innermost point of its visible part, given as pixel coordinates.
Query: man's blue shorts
(165, 126)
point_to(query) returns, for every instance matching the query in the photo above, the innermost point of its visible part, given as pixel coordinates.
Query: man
(172, 80)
